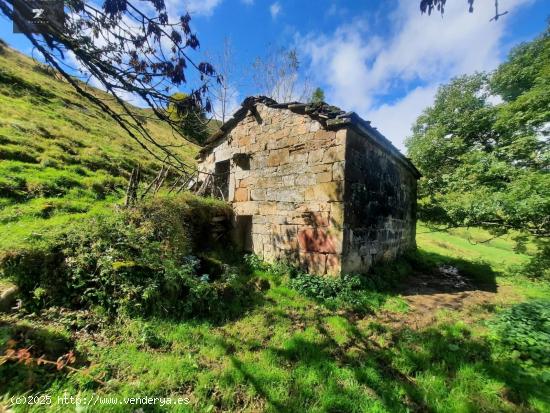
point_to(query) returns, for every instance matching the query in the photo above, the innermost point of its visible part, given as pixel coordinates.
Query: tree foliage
(127, 47)
(487, 164)
(428, 6)
(317, 96)
(192, 120)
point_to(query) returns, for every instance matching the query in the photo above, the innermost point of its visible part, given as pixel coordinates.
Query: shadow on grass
(21, 377)
(419, 371)
(435, 273)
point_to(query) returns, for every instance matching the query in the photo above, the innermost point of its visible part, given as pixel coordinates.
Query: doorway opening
(221, 180)
(243, 233)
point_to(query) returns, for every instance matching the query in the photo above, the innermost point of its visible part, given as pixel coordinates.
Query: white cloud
(395, 120)
(275, 9)
(360, 69)
(248, 2)
(178, 8)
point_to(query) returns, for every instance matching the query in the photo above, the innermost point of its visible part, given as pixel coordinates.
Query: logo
(38, 16)
(37, 13)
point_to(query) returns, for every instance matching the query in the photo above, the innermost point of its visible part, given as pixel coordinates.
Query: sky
(379, 58)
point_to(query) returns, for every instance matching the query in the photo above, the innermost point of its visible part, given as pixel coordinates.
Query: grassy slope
(60, 158)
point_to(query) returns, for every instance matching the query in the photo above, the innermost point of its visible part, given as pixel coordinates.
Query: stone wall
(380, 204)
(286, 172)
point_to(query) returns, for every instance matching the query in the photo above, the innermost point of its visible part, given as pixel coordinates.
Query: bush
(140, 262)
(358, 293)
(525, 328)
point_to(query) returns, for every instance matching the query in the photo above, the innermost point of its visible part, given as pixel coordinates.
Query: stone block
(267, 208)
(316, 240)
(241, 195)
(314, 126)
(324, 167)
(288, 180)
(258, 195)
(313, 263)
(243, 140)
(338, 171)
(328, 191)
(334, 154)
(315, 156)
(305, 180)
(285, 206)
(295, 194)
(333, 264)
(337, 213)
(245, 208)
(324, 177)
(340, 138)
(298, 157)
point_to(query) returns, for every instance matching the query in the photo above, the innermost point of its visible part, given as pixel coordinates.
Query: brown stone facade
(293, 182)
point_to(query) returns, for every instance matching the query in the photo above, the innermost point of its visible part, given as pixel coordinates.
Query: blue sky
(381, 58)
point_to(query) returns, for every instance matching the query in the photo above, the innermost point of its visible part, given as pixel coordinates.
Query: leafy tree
(487, 164)
(317, 96)
(127, 47)
(192, 121)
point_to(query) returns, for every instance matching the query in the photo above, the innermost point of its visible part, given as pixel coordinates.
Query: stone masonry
(312, 185)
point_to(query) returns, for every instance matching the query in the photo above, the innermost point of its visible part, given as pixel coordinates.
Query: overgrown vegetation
(149, 260)
(361, 294)
(525, 328)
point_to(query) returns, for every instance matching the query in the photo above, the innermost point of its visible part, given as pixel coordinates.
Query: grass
(289, 353)
(61, 159)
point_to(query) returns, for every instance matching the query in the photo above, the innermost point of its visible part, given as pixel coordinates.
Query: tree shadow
(21, 377)
(434, 273)
(434, 355)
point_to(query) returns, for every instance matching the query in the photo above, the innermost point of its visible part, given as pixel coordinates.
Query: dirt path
(427, 294)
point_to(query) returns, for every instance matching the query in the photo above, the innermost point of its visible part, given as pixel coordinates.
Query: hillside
(60, 158)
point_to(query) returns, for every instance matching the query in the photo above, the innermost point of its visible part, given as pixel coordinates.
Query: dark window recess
(221, 180)
(242, 160)
(243, 232)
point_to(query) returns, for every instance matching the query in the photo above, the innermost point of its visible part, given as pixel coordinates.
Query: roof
(330, 117)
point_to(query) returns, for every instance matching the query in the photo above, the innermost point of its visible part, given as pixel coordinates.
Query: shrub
(525, 328)
(140, 262)
(351, 292)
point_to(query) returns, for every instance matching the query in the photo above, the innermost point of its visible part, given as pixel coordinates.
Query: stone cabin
(312, 184)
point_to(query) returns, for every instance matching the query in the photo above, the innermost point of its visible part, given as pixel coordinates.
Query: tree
(192, 121)
(317, 96)
(127, 47)
(484, 164)
(223, 90)
(277, 76)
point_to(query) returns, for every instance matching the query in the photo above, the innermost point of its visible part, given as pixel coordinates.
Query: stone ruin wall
(380, 205)
(292, 186)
